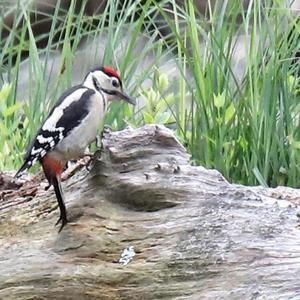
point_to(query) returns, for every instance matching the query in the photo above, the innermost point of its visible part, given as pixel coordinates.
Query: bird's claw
(93, 158)
(47, 187)
(89, 165)
(58, 221)
(63, 221)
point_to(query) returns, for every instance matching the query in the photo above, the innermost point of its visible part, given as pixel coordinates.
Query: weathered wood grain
(195, 235)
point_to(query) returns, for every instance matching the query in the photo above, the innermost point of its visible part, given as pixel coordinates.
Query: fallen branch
(147, 225)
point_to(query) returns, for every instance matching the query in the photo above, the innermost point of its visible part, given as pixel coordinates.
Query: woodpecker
(71, 126)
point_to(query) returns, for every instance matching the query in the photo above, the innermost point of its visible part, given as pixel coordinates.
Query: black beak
(125, 97)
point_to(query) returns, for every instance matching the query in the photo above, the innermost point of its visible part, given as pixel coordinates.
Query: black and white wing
(71, 108)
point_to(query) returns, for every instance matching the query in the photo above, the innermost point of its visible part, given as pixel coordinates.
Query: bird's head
(108, 81)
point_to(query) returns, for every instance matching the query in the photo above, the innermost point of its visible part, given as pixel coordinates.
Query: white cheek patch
(103, 79)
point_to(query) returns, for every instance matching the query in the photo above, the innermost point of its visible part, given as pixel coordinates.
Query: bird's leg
(88, 165)
(90, 161)
(99, 146)
(97, 154)
(59, 195)
(98, 140)
(104, 134)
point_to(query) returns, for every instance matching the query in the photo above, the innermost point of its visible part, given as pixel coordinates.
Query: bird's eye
(115, 83)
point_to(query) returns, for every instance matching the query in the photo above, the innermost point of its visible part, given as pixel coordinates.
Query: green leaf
(162, 118)
(163, 82)
(148, 118)
(229, 113)
(219, 120)
(5, 91)
(7, 112)
(219, 100)
(259, 177)
(291, 81)
(243, 143)
(294, 144)
(165, 102)
(4, 132)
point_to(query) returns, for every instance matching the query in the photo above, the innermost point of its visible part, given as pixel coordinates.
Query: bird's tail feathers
(23, 169)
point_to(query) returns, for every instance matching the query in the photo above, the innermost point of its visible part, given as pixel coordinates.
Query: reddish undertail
(53, 169)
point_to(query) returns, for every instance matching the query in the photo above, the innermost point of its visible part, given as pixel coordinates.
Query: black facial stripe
(109, 92)
(104, 101)
(96, 84)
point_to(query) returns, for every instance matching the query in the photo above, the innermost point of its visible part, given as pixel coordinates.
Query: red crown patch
(111, 72)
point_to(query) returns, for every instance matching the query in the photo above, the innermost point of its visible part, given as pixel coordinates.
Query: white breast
(81, 136)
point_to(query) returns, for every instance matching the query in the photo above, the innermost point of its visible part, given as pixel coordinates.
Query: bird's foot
(58, 221)
(47, 187)
(93, 158)
(104, 134)
(99, 145)
(106, 131)
(63, 220)
(89, 165)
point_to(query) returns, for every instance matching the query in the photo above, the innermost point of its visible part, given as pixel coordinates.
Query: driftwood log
(147, 225)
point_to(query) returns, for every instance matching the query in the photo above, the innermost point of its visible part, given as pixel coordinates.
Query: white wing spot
(35, 151)
(43, 140)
